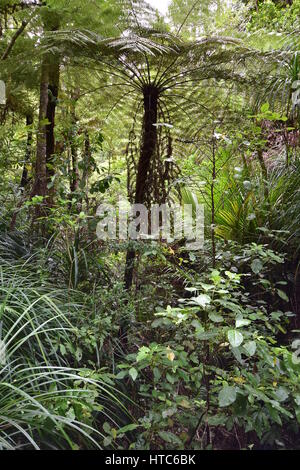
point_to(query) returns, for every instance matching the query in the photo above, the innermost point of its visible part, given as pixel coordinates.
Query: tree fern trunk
(148, 147)
(149, 142)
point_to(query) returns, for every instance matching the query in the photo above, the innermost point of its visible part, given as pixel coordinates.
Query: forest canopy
(149, 225)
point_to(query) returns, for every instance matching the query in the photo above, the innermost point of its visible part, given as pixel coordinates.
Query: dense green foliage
(122, 344)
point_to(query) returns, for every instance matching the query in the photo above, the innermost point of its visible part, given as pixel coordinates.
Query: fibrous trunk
(148, 148)
(149, 143)
(48, 99)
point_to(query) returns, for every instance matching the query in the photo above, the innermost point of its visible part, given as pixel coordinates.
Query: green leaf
(143, 353)
(157, 374)
(78, 354)
(202, 300)
(169, 437)
(216, 318)
(250, 348)
(256, 266)
(169, 412)
(107, 441)
(274, 414)
(129, 427)
(242, 322)
(235, 338)
(265, 108)
(121, 374)
(206, 335)
(106, 427)
(297, 399)
(297, 411)
(227, 396)
(282, 295)
(133, 373)
(281, 394)
(237, 354)
(170, 378)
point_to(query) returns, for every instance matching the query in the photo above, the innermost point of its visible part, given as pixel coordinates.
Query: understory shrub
(215, 371)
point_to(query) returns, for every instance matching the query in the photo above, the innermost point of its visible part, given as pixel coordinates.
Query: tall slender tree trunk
(86, 169)
(148, 147)
(74, 174)
(24, 179)
(52, 23)
(40, 180)
(213, 208)
(74, 177)
(48, 99)
(53, 88)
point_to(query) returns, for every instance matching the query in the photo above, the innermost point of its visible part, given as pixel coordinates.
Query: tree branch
(13, 39)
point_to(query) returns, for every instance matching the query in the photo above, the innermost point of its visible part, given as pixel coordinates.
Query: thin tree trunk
(74, 179)
(24, 179)
(129, 268)
(52, 23)
(40, 181)
(213, 211)
(86, 168)
(53, 88)
(74, 176)
(149, 143)
(48, 98)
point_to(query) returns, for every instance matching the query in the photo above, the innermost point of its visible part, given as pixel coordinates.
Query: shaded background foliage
(111, 99)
